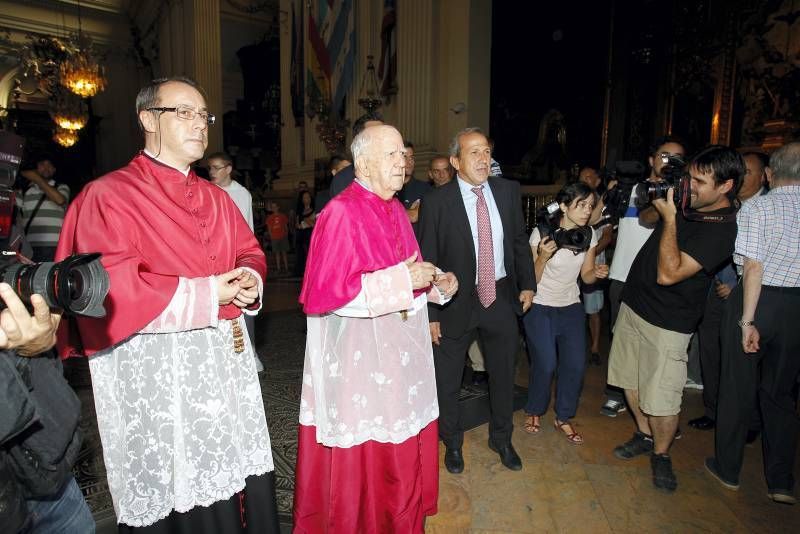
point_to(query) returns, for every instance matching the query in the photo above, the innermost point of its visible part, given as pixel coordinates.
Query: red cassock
(152, 224)
(373, 486)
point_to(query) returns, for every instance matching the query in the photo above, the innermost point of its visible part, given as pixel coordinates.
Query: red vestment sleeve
(136, 296)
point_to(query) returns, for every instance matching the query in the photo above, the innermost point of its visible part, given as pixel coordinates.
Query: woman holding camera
(557, 319)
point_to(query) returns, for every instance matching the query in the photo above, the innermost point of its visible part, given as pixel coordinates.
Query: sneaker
(639, 444)
(711, 467)
(691, 384)
(612, 408)
(782, 497)
(663, 477)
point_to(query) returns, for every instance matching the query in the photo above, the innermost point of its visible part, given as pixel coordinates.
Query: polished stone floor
(570, 488)
(561, 488)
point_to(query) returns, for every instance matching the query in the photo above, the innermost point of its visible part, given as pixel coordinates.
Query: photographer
(634, 229)
(557, 319)
(39, 436)
(663, 299)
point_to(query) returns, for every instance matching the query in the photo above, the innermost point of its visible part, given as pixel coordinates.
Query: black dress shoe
(453, 460)
(508, 456)
(702, 423)
(479, 378)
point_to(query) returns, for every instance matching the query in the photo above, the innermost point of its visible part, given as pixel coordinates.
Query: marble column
(204, 59)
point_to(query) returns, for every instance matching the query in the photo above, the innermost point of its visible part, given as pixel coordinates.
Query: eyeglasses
(217, 167)
(188, 114)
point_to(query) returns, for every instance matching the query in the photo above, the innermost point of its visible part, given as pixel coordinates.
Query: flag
(387, 68)
(331, 50)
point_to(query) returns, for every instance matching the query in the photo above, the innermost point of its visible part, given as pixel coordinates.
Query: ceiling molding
(105, 29)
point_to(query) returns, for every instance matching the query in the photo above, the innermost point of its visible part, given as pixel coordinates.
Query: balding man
(179, 407)
(367, 458)
(474, 226)
(440, 171)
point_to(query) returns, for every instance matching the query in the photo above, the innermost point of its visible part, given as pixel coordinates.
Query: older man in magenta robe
(367, 454)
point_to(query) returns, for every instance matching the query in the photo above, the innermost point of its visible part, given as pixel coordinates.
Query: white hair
(360, 144)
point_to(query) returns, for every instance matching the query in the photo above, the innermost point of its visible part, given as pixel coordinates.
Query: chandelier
(370, 100)
(68, 111)
(80, 73)
(65, 138)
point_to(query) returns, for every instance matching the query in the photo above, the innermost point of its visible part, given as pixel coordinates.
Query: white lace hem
(222, 495)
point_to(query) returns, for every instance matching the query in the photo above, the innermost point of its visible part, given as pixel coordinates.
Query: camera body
(674, 175)
(576, 240)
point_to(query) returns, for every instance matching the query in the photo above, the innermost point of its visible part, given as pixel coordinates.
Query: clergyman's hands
(28, 334)
(248, 292)
(421, 272)
(526, 298)
(228, 286)
(447, 283)
(436, 332)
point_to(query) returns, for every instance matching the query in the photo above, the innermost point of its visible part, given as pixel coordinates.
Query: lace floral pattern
(369, 377)
(181, 420)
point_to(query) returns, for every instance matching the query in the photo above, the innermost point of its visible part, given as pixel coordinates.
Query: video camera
(674, 175)
(575, 239)
(78, 285)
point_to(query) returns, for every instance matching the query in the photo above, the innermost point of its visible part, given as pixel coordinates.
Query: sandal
(572, 436)
(532, 424)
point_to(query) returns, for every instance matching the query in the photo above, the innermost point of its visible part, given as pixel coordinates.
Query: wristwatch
(742, 324)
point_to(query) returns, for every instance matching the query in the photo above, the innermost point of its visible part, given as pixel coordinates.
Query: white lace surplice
(180, 414)
(368, 372)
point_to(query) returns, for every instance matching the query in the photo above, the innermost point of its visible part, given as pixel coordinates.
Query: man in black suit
(473, 226)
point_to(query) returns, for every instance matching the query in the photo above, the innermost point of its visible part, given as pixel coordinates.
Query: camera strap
(698, 216)
(34, 212)
(693, 215)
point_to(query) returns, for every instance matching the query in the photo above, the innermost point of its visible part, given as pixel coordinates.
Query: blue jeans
(556, 341)
(65, 512)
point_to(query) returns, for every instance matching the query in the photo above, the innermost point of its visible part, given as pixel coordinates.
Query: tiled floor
(570, 488)
(567, 488)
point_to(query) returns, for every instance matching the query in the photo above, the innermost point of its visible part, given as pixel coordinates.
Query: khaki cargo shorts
(651, 360)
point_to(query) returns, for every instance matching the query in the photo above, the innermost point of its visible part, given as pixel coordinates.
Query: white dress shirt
(471, 203)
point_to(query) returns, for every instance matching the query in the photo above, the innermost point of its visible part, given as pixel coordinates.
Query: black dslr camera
(674, 174)
(575, 239)
(78, 285)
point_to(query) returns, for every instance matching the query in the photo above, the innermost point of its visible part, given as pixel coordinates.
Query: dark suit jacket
(342, 179)
(446, 241)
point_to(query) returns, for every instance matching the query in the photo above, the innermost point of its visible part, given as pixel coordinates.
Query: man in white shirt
(634, 229)
(220, 170)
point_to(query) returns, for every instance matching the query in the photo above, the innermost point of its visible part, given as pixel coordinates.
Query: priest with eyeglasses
(178, 402)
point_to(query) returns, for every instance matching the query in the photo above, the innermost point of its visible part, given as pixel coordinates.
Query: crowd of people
(404, 282)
